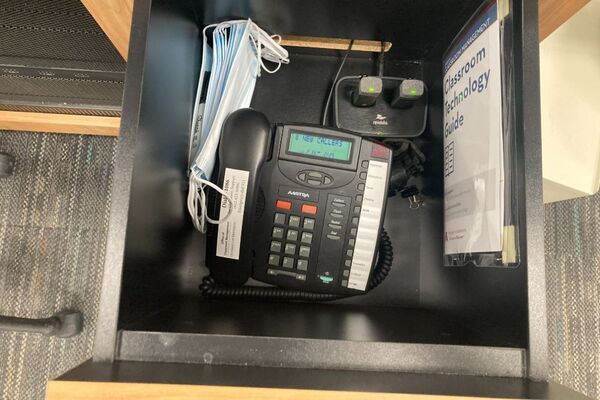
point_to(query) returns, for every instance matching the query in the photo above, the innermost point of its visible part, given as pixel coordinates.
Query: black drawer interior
(421, 302)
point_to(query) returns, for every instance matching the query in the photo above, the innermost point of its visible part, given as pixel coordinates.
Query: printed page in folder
(473, 138)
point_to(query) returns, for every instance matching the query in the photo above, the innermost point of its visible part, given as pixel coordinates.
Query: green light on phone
(413, 91)
(371, 89)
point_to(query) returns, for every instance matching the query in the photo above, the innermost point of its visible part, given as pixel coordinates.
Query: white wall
(570, 89)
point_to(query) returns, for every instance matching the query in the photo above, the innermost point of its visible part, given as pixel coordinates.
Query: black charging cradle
(381, 119)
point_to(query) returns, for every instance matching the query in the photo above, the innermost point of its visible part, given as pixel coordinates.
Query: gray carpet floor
(53, 223)
(572, 233)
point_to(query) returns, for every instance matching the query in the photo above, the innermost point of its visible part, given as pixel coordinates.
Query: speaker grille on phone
(260, 204)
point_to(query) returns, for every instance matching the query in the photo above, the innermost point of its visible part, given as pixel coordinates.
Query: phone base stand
(380, 120)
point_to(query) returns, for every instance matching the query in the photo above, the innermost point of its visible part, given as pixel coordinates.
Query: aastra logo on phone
(297, 193)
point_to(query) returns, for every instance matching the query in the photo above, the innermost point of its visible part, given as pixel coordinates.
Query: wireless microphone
(367, 91)
(407, 93)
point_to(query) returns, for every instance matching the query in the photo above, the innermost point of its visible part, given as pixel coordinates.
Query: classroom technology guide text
(457, 90)
(473, 157)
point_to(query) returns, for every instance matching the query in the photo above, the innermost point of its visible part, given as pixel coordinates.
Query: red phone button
(309, 209)
(378, 151)
(284, 205)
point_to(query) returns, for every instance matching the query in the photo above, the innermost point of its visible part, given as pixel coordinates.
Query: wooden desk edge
(74, 390)
(59, 123)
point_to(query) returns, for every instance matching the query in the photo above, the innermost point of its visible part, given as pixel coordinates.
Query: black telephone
(308, 206)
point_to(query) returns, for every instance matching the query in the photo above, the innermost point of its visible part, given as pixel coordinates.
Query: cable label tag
(229, 234)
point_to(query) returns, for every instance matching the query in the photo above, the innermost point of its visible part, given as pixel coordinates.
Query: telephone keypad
(290, 249)
(294, 235)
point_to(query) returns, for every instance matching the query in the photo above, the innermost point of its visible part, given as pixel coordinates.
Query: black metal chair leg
(63, 324)
(7, 165)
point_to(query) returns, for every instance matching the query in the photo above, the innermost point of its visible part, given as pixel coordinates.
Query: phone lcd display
(325, 147)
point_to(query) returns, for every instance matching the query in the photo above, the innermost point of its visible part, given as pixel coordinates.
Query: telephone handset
(246, 139)
(307, 211)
